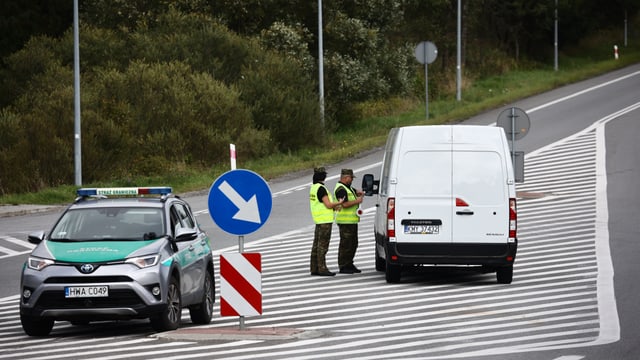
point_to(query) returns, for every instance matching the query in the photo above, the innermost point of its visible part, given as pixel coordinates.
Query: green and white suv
(119, 253)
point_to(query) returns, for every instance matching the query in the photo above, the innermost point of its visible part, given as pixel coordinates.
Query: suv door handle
(465, 212)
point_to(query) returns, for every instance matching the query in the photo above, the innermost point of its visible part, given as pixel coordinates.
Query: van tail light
(513, 219)
(391, 217)
(460, 202)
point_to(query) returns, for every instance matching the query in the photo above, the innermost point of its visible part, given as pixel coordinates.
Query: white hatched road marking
(561, 297)
(8, 252)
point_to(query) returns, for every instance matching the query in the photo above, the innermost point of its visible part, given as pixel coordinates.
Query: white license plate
(86, 291)
(422, 229)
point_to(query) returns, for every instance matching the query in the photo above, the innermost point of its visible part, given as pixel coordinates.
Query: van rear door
(423, 207)
(481, 211)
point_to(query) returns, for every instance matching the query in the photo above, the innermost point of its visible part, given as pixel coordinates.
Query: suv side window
(181, 218)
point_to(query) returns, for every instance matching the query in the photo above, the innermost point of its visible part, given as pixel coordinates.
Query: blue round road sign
(240, 201)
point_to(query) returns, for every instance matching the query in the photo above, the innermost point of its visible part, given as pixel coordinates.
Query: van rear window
(425, 173)
(477, 176)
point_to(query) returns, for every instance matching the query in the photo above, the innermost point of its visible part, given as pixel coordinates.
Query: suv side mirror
(369, 185)
(36, 237)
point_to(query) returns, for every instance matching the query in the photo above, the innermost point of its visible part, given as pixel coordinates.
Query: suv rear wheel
(201, 313)
(169, 319)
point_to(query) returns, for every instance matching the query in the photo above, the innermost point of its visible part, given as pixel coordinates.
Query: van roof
(417, 137)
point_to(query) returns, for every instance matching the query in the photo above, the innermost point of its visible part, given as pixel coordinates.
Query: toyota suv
(119, 253)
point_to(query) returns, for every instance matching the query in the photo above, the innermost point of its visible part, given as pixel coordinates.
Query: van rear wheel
(380, 262)
(393, 272)
(504, 274)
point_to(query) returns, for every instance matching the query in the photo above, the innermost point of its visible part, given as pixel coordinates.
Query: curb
(18, 210)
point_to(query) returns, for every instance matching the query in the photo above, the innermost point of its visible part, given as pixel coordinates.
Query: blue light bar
(125, 191)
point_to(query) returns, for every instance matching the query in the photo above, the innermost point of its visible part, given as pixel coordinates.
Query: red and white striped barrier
(240, 284)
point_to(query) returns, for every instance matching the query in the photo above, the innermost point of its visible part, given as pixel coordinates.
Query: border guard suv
(119, 253)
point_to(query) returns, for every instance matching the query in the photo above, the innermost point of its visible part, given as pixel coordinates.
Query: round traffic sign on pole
(426, 52)
(240, 201)
(515, 123)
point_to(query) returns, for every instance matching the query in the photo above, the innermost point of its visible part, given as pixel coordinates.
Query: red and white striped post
(615, 52)
(240, 285)
(232, 155)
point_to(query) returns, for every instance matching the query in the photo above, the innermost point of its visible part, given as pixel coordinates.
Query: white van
(446, 196)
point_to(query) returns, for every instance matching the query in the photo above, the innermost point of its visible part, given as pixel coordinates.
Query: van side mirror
(369, 185)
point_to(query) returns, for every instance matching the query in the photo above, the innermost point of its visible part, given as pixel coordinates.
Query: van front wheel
(504, 274)
(392, 273)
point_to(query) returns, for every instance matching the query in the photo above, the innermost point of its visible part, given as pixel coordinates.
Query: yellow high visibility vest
(347, 215)
(319, 212)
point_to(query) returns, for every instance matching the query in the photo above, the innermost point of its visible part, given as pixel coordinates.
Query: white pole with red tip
(232, 154)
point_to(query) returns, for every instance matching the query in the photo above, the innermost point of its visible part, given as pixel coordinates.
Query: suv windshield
(96, 224)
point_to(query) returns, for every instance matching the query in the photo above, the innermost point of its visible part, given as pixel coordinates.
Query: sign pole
(426, 84)
(513, 135)
(240, 202)
(516, 125)
(241, 250)
(426, 53)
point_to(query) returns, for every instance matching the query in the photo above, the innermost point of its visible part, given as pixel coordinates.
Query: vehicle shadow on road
(444, 275)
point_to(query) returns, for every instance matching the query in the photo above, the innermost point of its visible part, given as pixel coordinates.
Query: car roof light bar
(125, 191)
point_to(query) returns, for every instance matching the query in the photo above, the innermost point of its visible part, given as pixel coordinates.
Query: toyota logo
(86, 268)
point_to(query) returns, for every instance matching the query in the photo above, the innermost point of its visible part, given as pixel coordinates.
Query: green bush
(283, 101)
(167, 112)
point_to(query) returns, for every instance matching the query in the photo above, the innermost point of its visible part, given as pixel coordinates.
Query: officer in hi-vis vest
(322, 207)
(347, 219)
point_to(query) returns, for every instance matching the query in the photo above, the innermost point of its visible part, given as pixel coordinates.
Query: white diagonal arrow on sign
(247, 210)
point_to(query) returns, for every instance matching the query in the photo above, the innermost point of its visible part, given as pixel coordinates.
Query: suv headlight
(144, 261)
(37, 263)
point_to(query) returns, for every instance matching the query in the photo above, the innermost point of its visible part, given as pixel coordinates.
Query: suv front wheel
(169, 319)
(34, 326)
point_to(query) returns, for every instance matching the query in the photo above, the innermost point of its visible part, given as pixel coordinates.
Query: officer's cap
(346, 172)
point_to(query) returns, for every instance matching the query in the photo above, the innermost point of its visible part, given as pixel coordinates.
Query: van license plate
(422, 229)
(86, 291)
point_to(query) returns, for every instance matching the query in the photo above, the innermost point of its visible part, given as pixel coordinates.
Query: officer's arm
(329, 204)
(342, 194)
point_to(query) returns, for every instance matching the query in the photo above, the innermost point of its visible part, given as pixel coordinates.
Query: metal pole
(241, 250)
(76, 88)
(513, 136)
(625, 28)
(459, 54)
(426, 83)
(320, 64)
(555, 38)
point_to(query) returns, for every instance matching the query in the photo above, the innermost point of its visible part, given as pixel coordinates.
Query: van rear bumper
(452, 254)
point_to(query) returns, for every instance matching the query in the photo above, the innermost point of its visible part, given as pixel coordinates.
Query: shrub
(283, 101)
